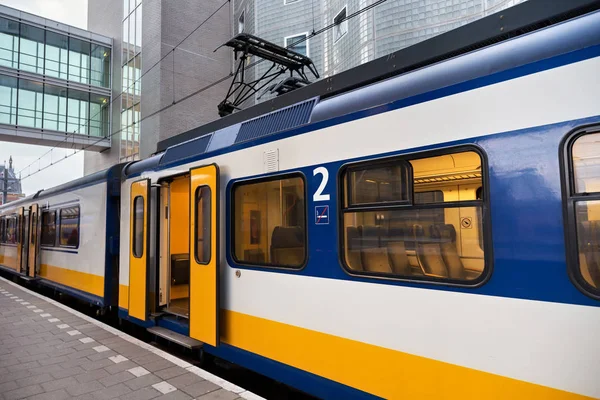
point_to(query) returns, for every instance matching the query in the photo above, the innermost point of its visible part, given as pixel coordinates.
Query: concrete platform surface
(51, 352)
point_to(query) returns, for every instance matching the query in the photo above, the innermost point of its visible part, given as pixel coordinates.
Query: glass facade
(33, 104)
(131, 67)
(40, 51)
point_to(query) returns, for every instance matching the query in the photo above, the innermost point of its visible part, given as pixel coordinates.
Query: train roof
(297, 108)
(88, 180)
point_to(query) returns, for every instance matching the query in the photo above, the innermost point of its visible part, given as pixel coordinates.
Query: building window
(269, 222)
(414, 218)
(241, 22)
(138, 227)
(57, 49)
(9, 43)
(203, 225)
(583, 206)
(69, 227)
(298, 43)
(29, 107)
(341, 25)
(48, 228)
(31, 49)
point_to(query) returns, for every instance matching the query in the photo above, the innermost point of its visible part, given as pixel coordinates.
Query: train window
(270, 222)
(203, 224)
(12, 232)
(377, 184)
(69, 227)
(138, 227)
(48, 228)
(584, 210)
(2, 229)
(433, 236)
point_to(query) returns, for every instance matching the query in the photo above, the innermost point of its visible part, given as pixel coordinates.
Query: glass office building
(131, 67)
(53, 79)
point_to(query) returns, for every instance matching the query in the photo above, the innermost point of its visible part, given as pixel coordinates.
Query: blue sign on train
(321, 215)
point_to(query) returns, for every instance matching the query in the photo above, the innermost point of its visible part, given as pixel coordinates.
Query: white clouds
(72, 12)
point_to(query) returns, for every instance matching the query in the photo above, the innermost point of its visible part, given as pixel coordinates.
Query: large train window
(583, 206)
(427, 225)
(69, 227)
(270, 222)
(48, 228)
(12, 230)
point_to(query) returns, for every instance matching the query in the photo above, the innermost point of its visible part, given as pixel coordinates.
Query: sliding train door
(204, 254)
(138, 249)
(33, 261)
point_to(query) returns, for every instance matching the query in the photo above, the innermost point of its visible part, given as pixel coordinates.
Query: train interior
(437, 234)
(269, 222)
(586, 167)
(174, 265)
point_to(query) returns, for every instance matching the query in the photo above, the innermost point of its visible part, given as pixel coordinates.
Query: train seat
(396, 246)
(353, 248)
(429, 254)
(287, 246)
(447, 234)
(590, 249)
(374, 255)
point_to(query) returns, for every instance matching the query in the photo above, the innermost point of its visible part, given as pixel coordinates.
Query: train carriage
(431, 233)
(67, 237)
(427, 236)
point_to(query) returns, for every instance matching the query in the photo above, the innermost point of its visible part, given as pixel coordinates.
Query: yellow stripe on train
(383, 372)
(83, 281)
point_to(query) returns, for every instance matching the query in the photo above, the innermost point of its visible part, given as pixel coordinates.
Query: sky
(72, 12)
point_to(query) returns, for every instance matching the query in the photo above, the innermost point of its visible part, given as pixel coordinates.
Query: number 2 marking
(319, 196)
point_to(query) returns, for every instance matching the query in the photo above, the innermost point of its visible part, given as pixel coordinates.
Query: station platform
(49, 351)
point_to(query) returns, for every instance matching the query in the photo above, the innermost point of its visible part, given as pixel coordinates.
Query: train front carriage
(431, 235)
(66, 238)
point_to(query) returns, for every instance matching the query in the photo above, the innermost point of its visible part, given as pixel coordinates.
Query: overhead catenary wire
(72, 134)
(207, 87)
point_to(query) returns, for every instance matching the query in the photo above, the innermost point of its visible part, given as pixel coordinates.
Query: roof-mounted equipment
(283, 61)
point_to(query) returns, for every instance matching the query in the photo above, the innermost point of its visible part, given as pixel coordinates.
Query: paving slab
(50, 351)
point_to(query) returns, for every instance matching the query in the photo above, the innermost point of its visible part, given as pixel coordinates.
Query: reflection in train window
(585, 195)
(138, 227)
(69, 226)
(379, 183)
(12, 230)
(48, 228)
(434, 236)
(202, 222)
(269, 222)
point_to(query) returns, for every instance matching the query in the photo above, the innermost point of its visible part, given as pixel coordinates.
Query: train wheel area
(49, 350)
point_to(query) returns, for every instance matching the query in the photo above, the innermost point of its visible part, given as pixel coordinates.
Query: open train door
(138, 249)
(34, 240)
(19, 232)
(204, 254)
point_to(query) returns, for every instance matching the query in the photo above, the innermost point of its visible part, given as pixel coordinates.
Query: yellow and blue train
(431, 234)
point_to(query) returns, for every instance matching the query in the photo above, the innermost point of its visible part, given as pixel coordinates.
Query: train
(431, 234)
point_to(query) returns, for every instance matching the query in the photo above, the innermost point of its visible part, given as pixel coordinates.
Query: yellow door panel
(138, 248)
(33, 240)
(204, 256)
